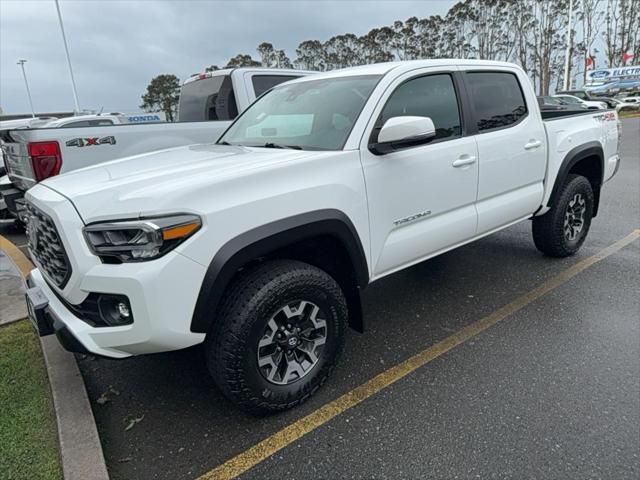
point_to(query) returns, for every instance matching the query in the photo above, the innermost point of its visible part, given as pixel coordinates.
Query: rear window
(497, 99)
(211, 98)
(262, 83)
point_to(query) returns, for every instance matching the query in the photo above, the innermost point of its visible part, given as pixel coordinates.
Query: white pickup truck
(258, 246)
(208, 104)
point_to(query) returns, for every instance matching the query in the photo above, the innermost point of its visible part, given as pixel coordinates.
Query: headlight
(140, 240)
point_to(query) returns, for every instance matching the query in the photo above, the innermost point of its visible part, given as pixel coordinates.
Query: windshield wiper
(276, 145)
(223, 143)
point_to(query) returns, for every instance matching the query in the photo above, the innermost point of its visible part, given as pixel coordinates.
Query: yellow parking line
(276, 442)
(18, 258)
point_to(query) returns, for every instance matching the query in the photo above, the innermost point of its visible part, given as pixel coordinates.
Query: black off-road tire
(549, 233)
(249, 303)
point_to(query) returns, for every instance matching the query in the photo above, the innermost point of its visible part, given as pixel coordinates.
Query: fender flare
(574, 156)
(268, 238)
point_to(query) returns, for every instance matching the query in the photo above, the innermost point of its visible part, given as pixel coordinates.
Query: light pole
(26, 84)
(567, 56)
(66, 49)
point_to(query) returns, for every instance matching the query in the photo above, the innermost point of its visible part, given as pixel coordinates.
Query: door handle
(533, 144)
(463, 161)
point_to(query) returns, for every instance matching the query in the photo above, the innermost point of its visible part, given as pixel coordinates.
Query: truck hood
(165, 180)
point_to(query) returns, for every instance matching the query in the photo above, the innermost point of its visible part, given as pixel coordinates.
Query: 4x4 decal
(87, 142)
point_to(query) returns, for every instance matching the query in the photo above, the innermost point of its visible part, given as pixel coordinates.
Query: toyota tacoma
(258, 246)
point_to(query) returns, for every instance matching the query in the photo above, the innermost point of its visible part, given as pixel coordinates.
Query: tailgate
(18, 165)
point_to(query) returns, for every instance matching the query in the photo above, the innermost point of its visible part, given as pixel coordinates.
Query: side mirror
(398, 132)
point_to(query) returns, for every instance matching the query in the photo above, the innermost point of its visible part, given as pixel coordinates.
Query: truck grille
(46, 247)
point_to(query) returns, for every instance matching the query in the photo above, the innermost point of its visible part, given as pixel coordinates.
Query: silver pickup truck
(209, 102)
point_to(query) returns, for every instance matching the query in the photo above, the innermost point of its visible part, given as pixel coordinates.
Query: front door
(421, 198)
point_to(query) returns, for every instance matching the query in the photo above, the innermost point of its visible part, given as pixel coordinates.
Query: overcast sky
(117, 46)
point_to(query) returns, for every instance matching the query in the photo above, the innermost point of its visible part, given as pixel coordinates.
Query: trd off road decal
(87, 142)
(604, 117)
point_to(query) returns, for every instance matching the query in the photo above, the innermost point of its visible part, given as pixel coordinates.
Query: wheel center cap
(293, 341)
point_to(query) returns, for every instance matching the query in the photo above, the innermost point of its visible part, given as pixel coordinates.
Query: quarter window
(497, 99)
(432, 96)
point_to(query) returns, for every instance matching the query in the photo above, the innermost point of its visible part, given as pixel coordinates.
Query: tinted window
(100, 123)
(432, 96)
(497, 99)
(262, 83)
(211, 98)
(84, 123)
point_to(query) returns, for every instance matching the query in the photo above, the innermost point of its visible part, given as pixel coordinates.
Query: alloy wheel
(292, 342)
(574, 217)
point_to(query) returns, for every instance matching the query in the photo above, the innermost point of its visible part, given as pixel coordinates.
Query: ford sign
(622, 72)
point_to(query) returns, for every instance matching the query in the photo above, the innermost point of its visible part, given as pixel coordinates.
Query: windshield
(310, 115)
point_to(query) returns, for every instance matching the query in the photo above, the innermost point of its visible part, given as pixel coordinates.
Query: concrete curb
(80, 447)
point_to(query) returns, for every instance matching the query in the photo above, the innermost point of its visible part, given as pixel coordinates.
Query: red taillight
(45, 159)
(202, 76)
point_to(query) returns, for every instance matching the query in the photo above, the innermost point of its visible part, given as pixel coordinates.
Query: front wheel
(562, 230)
(278, 335)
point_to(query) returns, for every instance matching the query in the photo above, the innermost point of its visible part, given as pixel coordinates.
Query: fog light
(115, 310)
(123, 310)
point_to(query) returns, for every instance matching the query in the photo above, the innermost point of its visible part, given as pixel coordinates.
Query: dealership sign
(611, 73)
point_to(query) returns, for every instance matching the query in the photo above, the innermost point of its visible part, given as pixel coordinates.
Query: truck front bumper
(12, 197)
(162, 296)
(45, 320)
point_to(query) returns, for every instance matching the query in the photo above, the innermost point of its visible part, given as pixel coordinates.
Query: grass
(28, 434)
(624, 114)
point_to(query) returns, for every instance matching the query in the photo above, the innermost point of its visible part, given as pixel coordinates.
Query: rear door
(511, 145)
(421, 198)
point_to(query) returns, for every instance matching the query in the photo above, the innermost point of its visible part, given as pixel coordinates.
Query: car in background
(573, 100)
(613, 88)
(208, 103)
(105, 119)
(625, 99)
(624, 105)
(587, 95)
(550, 104)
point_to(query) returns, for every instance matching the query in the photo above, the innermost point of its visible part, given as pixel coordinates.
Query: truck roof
(386, 67)
(228, 71)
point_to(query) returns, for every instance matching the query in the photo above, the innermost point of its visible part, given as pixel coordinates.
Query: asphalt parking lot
(551, 391)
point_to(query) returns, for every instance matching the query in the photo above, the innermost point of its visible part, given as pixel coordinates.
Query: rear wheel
(562, 230)
(277, 336)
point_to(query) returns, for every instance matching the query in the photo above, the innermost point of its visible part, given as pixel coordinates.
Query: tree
(242, 60)
(622, 22)
(267, 54)
(591, 15)
(162, 95)
(273, 58)
(310, 55)
(211, 68)
(281, 60)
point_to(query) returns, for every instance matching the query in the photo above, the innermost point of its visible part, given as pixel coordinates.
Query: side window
(431, 96)
(497, 99)
(83, 123)
(221, 105)
(101, 122)
(262, 83)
